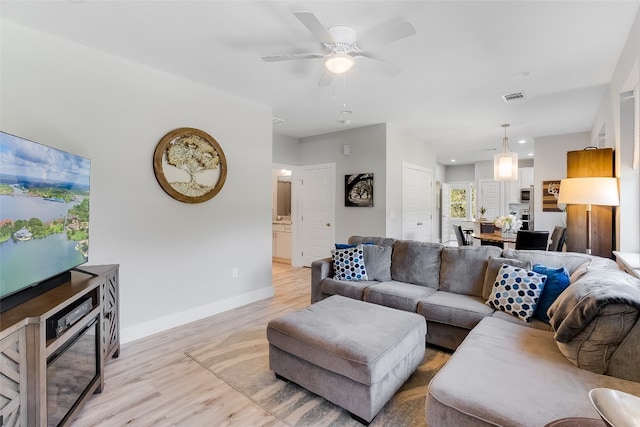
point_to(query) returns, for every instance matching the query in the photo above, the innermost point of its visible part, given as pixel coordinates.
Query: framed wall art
(358, 190)
(190, 165)
(550, 191)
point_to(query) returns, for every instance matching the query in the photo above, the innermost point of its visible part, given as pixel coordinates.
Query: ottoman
(352, 353)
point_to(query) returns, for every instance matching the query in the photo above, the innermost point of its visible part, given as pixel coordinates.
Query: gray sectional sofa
(504, 371)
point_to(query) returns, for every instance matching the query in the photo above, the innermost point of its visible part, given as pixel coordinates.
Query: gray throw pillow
(377, 260)
(492, 271)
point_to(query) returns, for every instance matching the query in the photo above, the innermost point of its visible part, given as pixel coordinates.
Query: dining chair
(558, 238)
(487, 228)
(460, 236)
(529, 239)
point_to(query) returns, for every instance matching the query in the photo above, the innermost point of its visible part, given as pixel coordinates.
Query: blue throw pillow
(557, 281)
(350, 245)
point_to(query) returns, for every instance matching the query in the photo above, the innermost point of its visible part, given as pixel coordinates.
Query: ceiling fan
(342, 45)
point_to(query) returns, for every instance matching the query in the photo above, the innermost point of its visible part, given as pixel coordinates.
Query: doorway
(282, 213)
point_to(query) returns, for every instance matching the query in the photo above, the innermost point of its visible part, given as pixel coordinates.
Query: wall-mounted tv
(44, 217)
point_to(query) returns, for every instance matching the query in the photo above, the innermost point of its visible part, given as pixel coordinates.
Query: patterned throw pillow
(516, 291)
(348, 264)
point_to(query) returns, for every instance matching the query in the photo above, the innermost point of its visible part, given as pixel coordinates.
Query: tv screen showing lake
(44, 212)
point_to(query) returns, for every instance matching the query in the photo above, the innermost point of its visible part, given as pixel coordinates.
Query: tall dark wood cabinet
(588, 163)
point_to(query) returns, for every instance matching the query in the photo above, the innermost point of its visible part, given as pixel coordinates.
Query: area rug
(242, 361)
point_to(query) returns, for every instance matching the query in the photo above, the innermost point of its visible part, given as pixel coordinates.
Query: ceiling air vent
(275, 120)
(513, 97)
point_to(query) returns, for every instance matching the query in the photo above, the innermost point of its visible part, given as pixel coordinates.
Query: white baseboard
(177, 319)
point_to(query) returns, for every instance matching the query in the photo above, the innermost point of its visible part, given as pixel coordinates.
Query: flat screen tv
(44, 217)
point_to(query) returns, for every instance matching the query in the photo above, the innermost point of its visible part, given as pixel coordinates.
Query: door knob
(328, 224)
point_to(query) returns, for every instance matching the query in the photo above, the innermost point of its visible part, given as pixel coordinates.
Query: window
(462, 199)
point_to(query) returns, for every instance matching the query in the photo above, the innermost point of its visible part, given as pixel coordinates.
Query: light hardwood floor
(153, 382)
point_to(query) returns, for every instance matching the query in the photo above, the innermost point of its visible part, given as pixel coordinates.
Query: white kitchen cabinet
(525, 180)
(526, 177)
(281, 242)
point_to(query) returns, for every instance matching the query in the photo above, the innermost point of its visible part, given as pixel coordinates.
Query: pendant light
(505, 163)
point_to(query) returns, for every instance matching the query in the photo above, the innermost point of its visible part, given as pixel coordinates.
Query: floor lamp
(589, 191)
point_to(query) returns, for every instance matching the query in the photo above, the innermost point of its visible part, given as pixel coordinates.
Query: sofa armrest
(320, 269)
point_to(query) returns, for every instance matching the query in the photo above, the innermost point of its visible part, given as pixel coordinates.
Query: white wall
(625, 77)
(367, 156)
(175, 259)
(460, 173)
(286, 149)
(551, 152)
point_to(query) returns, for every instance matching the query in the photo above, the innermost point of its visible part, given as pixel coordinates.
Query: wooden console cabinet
(588, 163)
(25, 348)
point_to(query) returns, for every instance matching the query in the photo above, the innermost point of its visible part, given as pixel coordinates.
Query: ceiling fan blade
(371, 62)
(311, 22)
(276, 58)
(386, 32)
(326, 79)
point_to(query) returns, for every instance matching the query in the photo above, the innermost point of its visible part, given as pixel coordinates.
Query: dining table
(496, 238)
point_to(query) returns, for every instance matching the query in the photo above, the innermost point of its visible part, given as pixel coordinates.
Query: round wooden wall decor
(190, 165)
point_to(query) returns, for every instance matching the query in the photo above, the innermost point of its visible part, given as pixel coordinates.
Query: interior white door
(318, 211)
(417, 203)
(490, 198)
(445, 197)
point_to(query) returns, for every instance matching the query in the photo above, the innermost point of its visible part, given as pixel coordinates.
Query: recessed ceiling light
(453, 160)
(522, 74)
(522, 141)
(530, 154)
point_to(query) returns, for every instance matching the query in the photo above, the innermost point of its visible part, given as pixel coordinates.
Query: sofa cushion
(400, 295)
(516, 291)
(594, 315)
(596, 263)
(348, 264)
(534, 322)
(505, 374)
(380, 241)
(462, 269)
(346, 288)
(570, 260)
(459, 310)
(493, 266)
(377, 260)
(557, 281)
(416, 262)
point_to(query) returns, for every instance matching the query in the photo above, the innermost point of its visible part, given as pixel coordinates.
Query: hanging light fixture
(505, 163)
(339, 63)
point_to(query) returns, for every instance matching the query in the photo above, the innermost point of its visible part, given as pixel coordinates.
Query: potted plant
(483, 210)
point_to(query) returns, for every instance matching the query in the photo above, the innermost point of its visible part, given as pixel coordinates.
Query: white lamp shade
(589, 191)
(505, 166)
(339, 63)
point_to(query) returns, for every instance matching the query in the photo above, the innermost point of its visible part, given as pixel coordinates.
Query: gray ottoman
(352, 353)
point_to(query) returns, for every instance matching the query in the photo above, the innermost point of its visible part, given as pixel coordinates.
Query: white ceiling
(463, 57)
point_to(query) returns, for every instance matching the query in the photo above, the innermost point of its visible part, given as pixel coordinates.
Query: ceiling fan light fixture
(339, 63)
